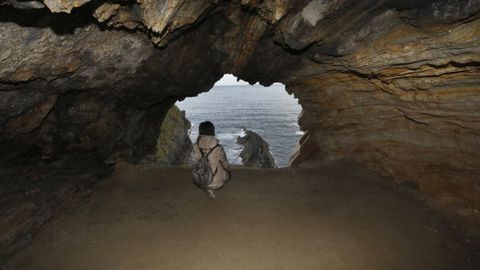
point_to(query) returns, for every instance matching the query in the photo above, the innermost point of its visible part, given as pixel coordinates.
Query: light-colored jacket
(217, 159)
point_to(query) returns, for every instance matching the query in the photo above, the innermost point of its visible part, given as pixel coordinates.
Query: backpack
(202, 172)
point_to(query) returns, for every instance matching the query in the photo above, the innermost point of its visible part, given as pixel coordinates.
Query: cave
(390, 96)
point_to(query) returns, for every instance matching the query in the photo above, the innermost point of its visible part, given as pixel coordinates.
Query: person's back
(207, 145)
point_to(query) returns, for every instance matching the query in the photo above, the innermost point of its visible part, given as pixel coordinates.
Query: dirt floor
(326, 218)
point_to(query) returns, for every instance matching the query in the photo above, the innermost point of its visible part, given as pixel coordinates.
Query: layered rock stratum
(392, 84)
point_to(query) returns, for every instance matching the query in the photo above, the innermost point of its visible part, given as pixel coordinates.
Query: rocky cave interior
(393, 85)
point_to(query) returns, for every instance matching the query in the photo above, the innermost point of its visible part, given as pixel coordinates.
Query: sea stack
(256, 151)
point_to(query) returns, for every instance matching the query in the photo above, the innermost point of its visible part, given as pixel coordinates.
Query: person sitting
(207, 146)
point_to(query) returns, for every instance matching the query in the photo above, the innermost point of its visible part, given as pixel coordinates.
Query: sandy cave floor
(325, 218)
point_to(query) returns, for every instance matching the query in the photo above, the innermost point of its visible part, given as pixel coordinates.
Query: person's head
(206, 128)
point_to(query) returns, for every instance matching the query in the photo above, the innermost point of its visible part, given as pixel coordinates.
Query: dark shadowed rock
(256, 151)
(33, 194)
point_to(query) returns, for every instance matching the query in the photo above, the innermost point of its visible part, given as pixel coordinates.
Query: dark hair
(206, 128)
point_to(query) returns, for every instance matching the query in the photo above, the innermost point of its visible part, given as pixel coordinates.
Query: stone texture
(256, 151)
(392, 84)
(64, 6)
(159, 19)
(174, 146)
(88, 95)
(406, 105)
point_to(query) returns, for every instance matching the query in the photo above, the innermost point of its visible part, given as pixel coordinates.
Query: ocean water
(269, 111)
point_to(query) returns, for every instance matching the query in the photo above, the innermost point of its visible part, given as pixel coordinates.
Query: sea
(269, 111)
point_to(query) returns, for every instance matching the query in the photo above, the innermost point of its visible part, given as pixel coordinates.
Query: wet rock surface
(391, 84)
(256, 151)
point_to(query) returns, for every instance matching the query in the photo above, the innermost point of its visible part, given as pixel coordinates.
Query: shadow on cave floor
(324, 218)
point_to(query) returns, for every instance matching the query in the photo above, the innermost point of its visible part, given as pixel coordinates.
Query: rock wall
(393, 84)
(401, 96)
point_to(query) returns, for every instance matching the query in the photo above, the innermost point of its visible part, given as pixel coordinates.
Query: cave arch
(390, 84)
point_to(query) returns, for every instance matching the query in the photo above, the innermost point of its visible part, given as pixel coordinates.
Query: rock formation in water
(256, 151)
(174, 146)
(392, 84)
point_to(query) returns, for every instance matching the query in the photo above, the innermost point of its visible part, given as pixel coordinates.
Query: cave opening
(234, 105)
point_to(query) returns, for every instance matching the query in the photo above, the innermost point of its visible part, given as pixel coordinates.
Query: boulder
(256, 151)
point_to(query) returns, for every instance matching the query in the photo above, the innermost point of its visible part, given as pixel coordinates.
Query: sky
(229, 79)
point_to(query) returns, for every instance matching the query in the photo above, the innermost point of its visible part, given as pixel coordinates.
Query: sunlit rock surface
(174, 146)
(392, 84)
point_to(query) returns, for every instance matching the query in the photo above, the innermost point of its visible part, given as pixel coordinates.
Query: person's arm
(225, 165)
(223, 160)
